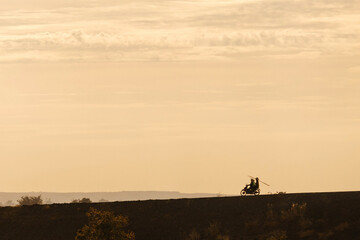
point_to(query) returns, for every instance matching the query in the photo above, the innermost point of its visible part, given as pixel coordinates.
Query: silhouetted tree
(33, 200)
(83, 200)
(104, 225)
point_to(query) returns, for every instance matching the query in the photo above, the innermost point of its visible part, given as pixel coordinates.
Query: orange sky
(140, 95)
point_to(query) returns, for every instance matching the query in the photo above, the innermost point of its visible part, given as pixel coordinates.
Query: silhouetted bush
(104, 225)
(212, 232)
(194, 235)
(26, 200)
(295, 211)
(277, 235)
(83, 200)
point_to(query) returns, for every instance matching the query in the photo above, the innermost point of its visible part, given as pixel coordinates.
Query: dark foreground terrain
(268, 217)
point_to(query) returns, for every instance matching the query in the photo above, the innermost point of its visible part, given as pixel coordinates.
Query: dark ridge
(294, 216)
(96, 196)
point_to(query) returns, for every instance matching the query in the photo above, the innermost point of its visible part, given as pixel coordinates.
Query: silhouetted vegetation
(30, 200)
(213, 232)
(321, 216)
(104, 225)
(83, 200)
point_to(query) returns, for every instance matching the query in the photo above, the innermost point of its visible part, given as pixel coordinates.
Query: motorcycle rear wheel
(242, 193)
(257, 192)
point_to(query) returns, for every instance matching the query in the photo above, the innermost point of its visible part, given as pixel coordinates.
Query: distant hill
(323, 216)
(52, 197)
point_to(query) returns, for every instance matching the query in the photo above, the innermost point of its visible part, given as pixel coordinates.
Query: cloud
(157, 31)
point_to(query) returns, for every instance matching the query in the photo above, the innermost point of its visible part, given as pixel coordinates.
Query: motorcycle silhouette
(252, 188)
(248, 190)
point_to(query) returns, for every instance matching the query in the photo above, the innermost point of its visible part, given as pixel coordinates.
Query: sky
(189, 96)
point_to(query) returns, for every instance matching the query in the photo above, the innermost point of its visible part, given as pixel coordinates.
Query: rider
(257, 183)
(252, 185)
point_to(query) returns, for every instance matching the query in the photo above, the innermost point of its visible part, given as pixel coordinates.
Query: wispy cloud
(158, 31)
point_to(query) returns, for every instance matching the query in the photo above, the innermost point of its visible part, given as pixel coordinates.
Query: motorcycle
(252, 188)
(248, 190)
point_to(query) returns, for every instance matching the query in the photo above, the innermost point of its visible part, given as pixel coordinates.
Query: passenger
(257, 183)
(252, 184)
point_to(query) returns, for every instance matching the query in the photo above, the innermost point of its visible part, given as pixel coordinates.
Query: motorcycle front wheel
(257, 192)
(242, 193)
